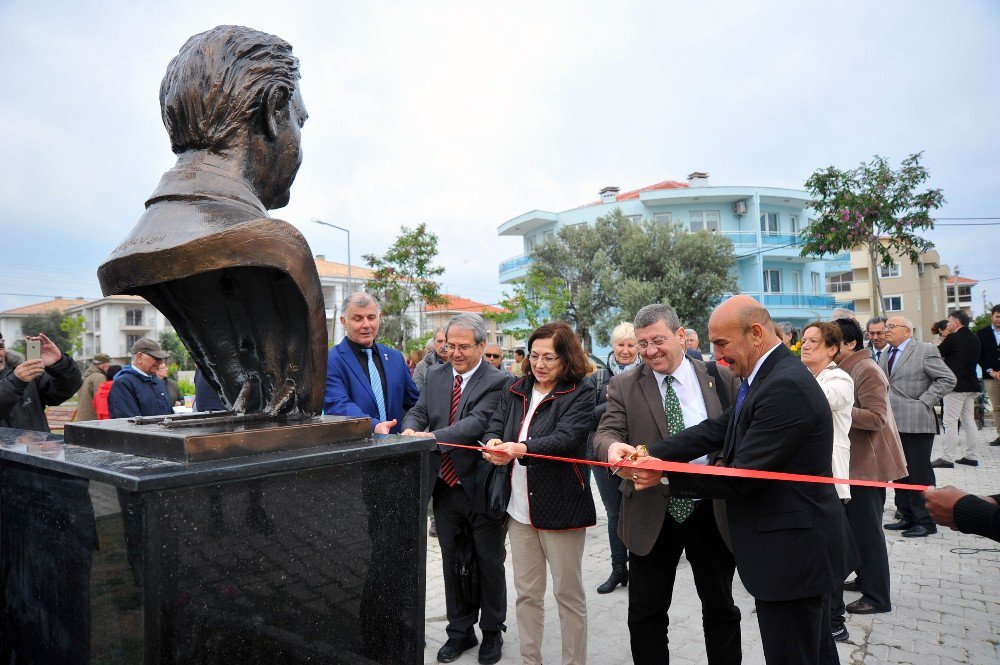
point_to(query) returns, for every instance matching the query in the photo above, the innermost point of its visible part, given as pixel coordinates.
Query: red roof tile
(460, 304)
(60, 304)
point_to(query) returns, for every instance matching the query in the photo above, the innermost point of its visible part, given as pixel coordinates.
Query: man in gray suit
(918, 379)
(655, 528)
(455, 406)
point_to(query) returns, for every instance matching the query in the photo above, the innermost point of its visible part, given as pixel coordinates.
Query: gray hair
(874, 320)
(843, 313)
(468, 321)
(622, 332)
(651, 314)
(359, 300)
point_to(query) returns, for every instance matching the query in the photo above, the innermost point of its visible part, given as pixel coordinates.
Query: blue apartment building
(763, 223)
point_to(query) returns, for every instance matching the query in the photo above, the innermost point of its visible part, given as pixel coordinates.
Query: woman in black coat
(548, 411)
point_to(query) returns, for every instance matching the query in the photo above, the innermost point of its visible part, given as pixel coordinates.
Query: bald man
(494, 356)
(786, 536)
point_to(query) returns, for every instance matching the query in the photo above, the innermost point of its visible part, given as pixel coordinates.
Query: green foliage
(417, 343)
(186, 387)
(519, 304)
(49, 323)
(74, 327)
(872, 206)
(179, 356)
(595, 276)
(404, 276)
(984, 320)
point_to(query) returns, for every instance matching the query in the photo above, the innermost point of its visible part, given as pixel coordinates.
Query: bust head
(232, 92)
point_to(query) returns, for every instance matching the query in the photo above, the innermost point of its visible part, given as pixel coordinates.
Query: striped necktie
(448, 473)
(679, 509)
(892, 360)
(376, 381)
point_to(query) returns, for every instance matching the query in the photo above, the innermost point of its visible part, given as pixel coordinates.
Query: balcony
(741, 238)
(798, 300)
(137, 323)
(514, 268)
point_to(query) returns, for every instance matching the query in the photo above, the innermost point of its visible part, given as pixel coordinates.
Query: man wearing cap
(96, 374)
(136, 390)
(28, 386)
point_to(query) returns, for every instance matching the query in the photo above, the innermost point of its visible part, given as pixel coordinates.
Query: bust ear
(274, 109)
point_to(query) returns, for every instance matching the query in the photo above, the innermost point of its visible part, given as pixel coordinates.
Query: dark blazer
(989, 352)
(559, 495)
(961, 351)
(787, 537)
(479, 400)
(635, 416)
(349, 393)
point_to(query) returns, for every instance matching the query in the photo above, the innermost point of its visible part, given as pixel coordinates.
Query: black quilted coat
(559, 496)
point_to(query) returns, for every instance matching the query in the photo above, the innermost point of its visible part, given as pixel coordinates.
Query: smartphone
(33, 349)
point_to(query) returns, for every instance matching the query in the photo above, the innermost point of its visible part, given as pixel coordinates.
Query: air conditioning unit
(740, 208)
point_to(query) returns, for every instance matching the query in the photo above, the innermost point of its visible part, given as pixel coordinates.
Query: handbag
(493, 482)
(465, 572)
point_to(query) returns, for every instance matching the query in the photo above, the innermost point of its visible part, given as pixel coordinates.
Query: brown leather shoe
(862, 606)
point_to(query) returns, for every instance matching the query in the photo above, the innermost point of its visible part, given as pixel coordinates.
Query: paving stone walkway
(946, 603)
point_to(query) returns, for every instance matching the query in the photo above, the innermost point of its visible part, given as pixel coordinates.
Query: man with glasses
(876, 336)
(438, 357)
(918, 379)
(28, 386)
(136, 390)
(494, 356)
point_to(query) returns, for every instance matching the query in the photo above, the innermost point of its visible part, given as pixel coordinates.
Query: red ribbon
(686, 467)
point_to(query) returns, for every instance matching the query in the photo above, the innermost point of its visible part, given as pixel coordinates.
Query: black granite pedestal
(306, 556)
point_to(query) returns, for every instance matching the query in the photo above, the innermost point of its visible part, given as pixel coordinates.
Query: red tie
(892, 360)
(448, 473)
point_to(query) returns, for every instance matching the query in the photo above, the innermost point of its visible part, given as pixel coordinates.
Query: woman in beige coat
(876, 454)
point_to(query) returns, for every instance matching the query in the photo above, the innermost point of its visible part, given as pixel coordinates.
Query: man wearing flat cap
(93, 377)
(136, 390)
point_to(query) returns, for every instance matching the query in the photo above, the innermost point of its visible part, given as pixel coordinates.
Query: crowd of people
(855, 403)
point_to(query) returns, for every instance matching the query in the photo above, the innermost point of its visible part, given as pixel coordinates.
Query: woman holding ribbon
(548, 411)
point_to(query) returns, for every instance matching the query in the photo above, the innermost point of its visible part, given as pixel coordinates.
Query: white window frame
(886, 301)
(796, 282)
(765, 223)
(793, 224)
(888, 273)
(548, 235)
(705, 220)
(814, 276)
(662, 218)
(768, 280)
(634, 218)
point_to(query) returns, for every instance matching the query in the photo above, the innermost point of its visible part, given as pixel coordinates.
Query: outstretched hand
(385, 426)
(50, 352)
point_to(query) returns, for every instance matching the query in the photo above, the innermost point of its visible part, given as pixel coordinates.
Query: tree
(404, 276)
(49, 323)
(74, 327)
(984, 320)
(875, 207)
(171, 342)
(518, 305)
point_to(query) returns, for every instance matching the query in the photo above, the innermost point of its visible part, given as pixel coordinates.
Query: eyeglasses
(493, 356)
(893, 326)
(656, 341)
(464, 348)
(548, 358)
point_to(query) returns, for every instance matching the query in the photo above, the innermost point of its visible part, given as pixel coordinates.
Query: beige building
(960, 293)
(11, 320)
(437, 316)
(917, 291)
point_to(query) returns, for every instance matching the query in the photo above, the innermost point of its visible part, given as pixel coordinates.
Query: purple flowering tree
(874, 206)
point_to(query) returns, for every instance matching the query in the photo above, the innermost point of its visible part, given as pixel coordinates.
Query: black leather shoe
(919, 531)
(897, 515)
(901, 525)
(967, 462)
(852, 586)
(840, 634)
(454, 648)
(619, 575)
(862, 606)
(940, 463)
(489, 651)
(995, 442)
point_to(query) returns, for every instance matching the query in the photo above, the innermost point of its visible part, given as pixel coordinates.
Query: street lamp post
(350, 282)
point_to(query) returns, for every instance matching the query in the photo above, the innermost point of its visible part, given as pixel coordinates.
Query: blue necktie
(740, 396)
(376, 381)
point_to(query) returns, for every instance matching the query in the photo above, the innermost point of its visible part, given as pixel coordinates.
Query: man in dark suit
(877, 340)
(989, 361)
(364, 378)
(455, 406)
(960, 352)
(787, 537)
(643, 406)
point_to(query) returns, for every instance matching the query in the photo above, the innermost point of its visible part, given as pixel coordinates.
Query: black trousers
(797, 632)
(452, 514)
(652, 585)
(917, 451)
(865, 514)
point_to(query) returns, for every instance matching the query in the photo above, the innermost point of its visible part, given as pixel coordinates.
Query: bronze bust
(239, 287)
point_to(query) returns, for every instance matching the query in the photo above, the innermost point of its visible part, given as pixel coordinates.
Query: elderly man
(455, 406)
(136, 390)
(989, 361)
(664, 395)
(960, 351)
(918, 379)
(876, 336)
(28, 386)
(693, 344)
(364, 378)
(787, 537)
(438, 357)
(494, 356)
(93, 378)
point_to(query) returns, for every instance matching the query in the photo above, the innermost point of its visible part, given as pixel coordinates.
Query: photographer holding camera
(28, 386)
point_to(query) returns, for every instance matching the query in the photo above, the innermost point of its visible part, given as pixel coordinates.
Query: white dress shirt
(689, 393)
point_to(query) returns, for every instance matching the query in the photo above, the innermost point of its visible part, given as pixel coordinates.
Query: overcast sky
(464, 115)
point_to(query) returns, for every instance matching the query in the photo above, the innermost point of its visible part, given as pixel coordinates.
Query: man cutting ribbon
(786, 536)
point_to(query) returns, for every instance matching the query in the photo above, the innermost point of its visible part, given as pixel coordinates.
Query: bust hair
(651, 314)
(829, 333)
(875, 319)
(623, 332)
(575, 363)
(359, 300)
(960, 316)
(468, 321)
(214, 86)
(851, 331)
